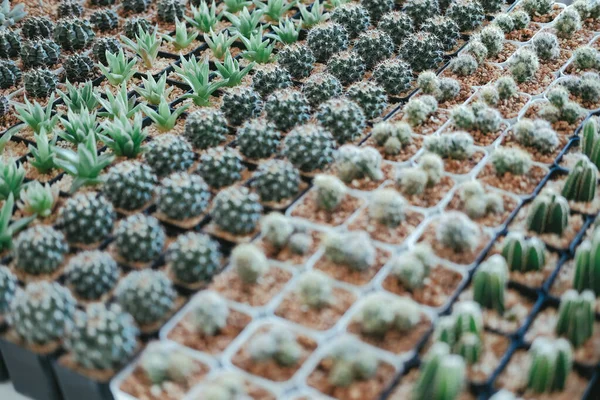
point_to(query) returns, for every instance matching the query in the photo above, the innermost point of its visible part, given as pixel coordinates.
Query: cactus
(40, 53)
(353, 162)
(104, 20)
(236, 210)
(286, 108)
(130, 185)
(581, 182)
(421, 10)
(278, 344)
(315, 290)
(209, 314)
(373, 46)
(464, 65)
(86, 218)
(489, 283)
(548, 213)
(170, 10)
(103, 337)
(249, 263)
(476, 49)
(392, 136)
(468, 14)
(551, 363)
(39, 250)
(169, 153)
(537, 134)
(353, 17)
(220, 167)
(457, 232)
(351, 363)
(442, 375)
(413, 267)
(560, 107)
(240, 104)
(258, 138)
(422, 51)
(132, 25)
(8, 288)
(586, 267)
(347, 67)
(69, 9)
(456, 145)
(343, 118)
(79, 68)
(10, 44)
(523, 254)
(387, 208)
(444, 28)
(477, 203)
(321, 87)
(546, 46)
(163, 366)
(182, 196)
(270, 77)
(491, 6)
(492, 38)
(193, 257)
(37, 27)
(276, 181)
(326, 39)
(537, 7)
(10, 74)
(394, 75)
(381, 313)
(205, 128)
(47, 306)
(147, 295)
(509, 160)
(523, 65)
(103, 45)
(377, 8)
(139, 238)
(505, 22)
(277, 230)
(330, 192)
(418, 109)
(369, 96)
(586, 57)
(415, 180)
(567, 23)
(39, 83)
(309, 147)
(297, 59)
(352, 249)
(91, 274)
(397, 25)
(576, 316)
(73, 34)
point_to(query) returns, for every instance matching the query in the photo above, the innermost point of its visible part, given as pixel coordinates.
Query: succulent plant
(560, 107)
(394, 75)
(240, 104)
(236, 210)
(130, 185)
(351, 363)
(576, 316)
(491, 6)
(326, 39)
(91, 274)
(537, 134)
(10, 74)
(369, 96)
(422, 51)
(442, 374)
(297, 59)
(37, 27)
(444, 28)
(489, 283)
(381, 313)
(69, 9)
(8, 288)
(521, 19)
(276, 180)
(37, 199)
(477, 50)
(397, 25)
(464, 65)
(73, 34)
(79, 68)
(249, 263)
(421, 10)
(510, 160)
(387, 207)
(330, 192)
(47, 306)
(567, 23)
(139, 238)
(343, 118)
(353, 17)
(586, 266)
(505, 22)
(163, 366)
(373, 46)
(258, 138)
(392, 136)
(169, 153)
(418, 109)
(270, 77)
(457, 232)
(10, 43)
(586, 57)
(193, 257)
(309, 147)
(315, 289)
(170, 10)
(9, 228)
(39, 83)
(220, 167)
(523, 65)
(590, 141)
(352, 249)
(209, 314)
(132, 25)
(39, 53)
(103, 337)
(86, 218)
(581, 183)
(546, 46)
(468, 14)
(548, 213)
(413, 267)
(492, 38)
(39, 250)
(523, 254)
(478, 203)
(347, 67)
(321, 87)
(456, 145)
(353, 162)
(550, 365)
(104, 20)
(278, 344)
(147, 295)
(182, 196)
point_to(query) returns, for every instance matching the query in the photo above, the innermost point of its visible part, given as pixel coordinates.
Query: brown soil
(431, 196)
(405, 154)
(358, 390)
(544, 325)
(591, 24)
(383, 233)
(346, 274)
(270, 369)
(510, 108)
(515, 374)
(437, 288)
(257, 295)
(558, 182)
(547, 18)
(308, 209)
(509, 140)
(15, 150)
(518, 184)
(139, 385)
(153, 130)
(491, 220)
(486, 139)
(558, 62)
(483, 75)
(291, 308)
(461, 167)
(507, 51)
(524, 35)
(465, 92)
(366, 183)
(433, 123)
(517, 308)
(405, 388)
(561, 127)
(561, 242)
(285, 255)
(32, 173)
(185, 333)
(251, 390)
(578, 39)
(465, 258)
(213, 229)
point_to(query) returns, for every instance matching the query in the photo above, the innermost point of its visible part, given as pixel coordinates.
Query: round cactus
(343, 118)
(92, 274)
(369, 96)
(309, 147)
(321, 87)
(442, 374)
(220, 167)
(104, 20)
(210, 313)
(377, 8)
(130, 185)
(39, 83)
(193, 257)
(182, 196)
(73, 34)
(492, 38)
(240, 104)
(86, 218)
(206, 127)
(457, 232)
(546, 46)
(39, 250)
(10, 43)
(258, 138)
(509, 160)
(139, 238)
(394, 75)
(297, 59)
(347, 67)
(236, 210)
(10, 74)
(69, 9)
(102, 45)
(373, 46)
(421, 50)
(249, 263)
(354, 17)
(79, 68)
(397, 25)
(278, 344)
(523, 65)
(170, 10)
(37, 27)
(444, 28)
(286, 108)
(421, 10)
(169, 153)
(276, 180)
(468, 14)
(133, 25)
(352, 249)
(8, 288)
(39, 53)
(326, 39)
(270, 77)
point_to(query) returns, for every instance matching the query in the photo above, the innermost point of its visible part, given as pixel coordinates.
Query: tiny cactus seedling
(73, 34)
(326, 39)
(576, 316)
(421, 10)
(343, 118)
(139, 238)
(537, 7)
(163, 366)
(351, 363)
(395, 76)
(442, 375)
(546, 46)
(581, 183)
(277, 344)
(492, 38)
(587, 267)
(524, 65)
(392, 136)
(236, 210)
(249, 262)
(206, 127)
(347, 67)
(35, 27)
(373, 46)
(586, 57)
(86, 218)
(537, 134)
(276, 229)
(330, 192)
(524, 254)
(286, 108)
(419, 109)
(509, 160)
(220, 167)
(130, 185)
(354, 162)
(477, 50)
(377, 8)
(478, 203)
(321, 87)
(352, 249)
(387, 208)
(464, 65)
(315, 290)
(548, 214)
(590, 143)
(270, 77)
(381, 313)
(456, 146)
(209, 314)
(489, 283)
(458, 233)
(567, 23)
(40, 53)
(550, 365)
(398, 26)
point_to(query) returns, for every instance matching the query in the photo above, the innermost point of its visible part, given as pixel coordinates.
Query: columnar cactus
(347, 67)
(240, 104)
(548, 213)
(139, 238)
(462, 330)
(394, 75)
(236, 210)
(343, 118)
(352, 249)
(209, 314)
(258, 138)
(86, 218)
(206, 127)
(421, 50)
(369, 96)
(397, 25)
(39, 53)
(278, 344)
(590, 143)
(92, 274)
(276, 181)
(387, 208)
(326, 39)
(309, 147)
(315, 290)
(550, 366)
(249, 262)
(523, 65)
(373, 46)
(523, 254)
(147, 295)
(537, 134)
(587, 268)
(457, 232)
(581, 182)
(169, 153)
(353, 17)
(41, 312)
(8, 288)
(297, 59)
(39, 250)
(351, 363)
(220, 167)
(381, 313)
(576, 316)
(286, 108)
(270, 77)
(193, 257)
(103, 337)
(130, 185)
(489, 283)
(444, 28)
(73, 34)
(319, 88)
(352, 162)
(442, 375)
(182, 196)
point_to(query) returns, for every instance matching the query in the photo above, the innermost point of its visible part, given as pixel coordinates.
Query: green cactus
(581, 182)
(394, 75)
(193, 258)
(79, 68)
(39, 83)
(182, 196)
(240, 104)
(39, 250)
(270, 77)
(220, 167)
(576, 316)
(587, 266)
(457, 232)
(351, 363)
(548, 213)
(442, 375)
(373, 46)
(276, 180)
(353, 162)
(347, 67)
(381, 313)
(104, 20)
(523, 65)
(377, 8)
(169, 153)
(130, 185)
(343, 118)
(73, 34)
(330, 192)
(86, 218)
(37, 27)
(468, 14)
(489, 283)
(297, 59)
(10, 44)
(258, 138)
(551, 364)
(8, 288)
(132, 25)
(510, 160)
(205, 128)
(170, 10)
(10, 74)
(139, 238)
(278, 344)
(40, 53)
(369, 96)
(91, 274)
(524, 254)
(321, 87)
(103, 45)
(309, 147)
(326, 39)
(69, 9)
(444, 28)
(353, 17)
(422, 51)
(397, 25)
(352, 249)
(236, 210)
(209, 314)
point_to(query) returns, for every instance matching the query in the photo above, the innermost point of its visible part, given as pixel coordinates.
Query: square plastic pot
(75, 386)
